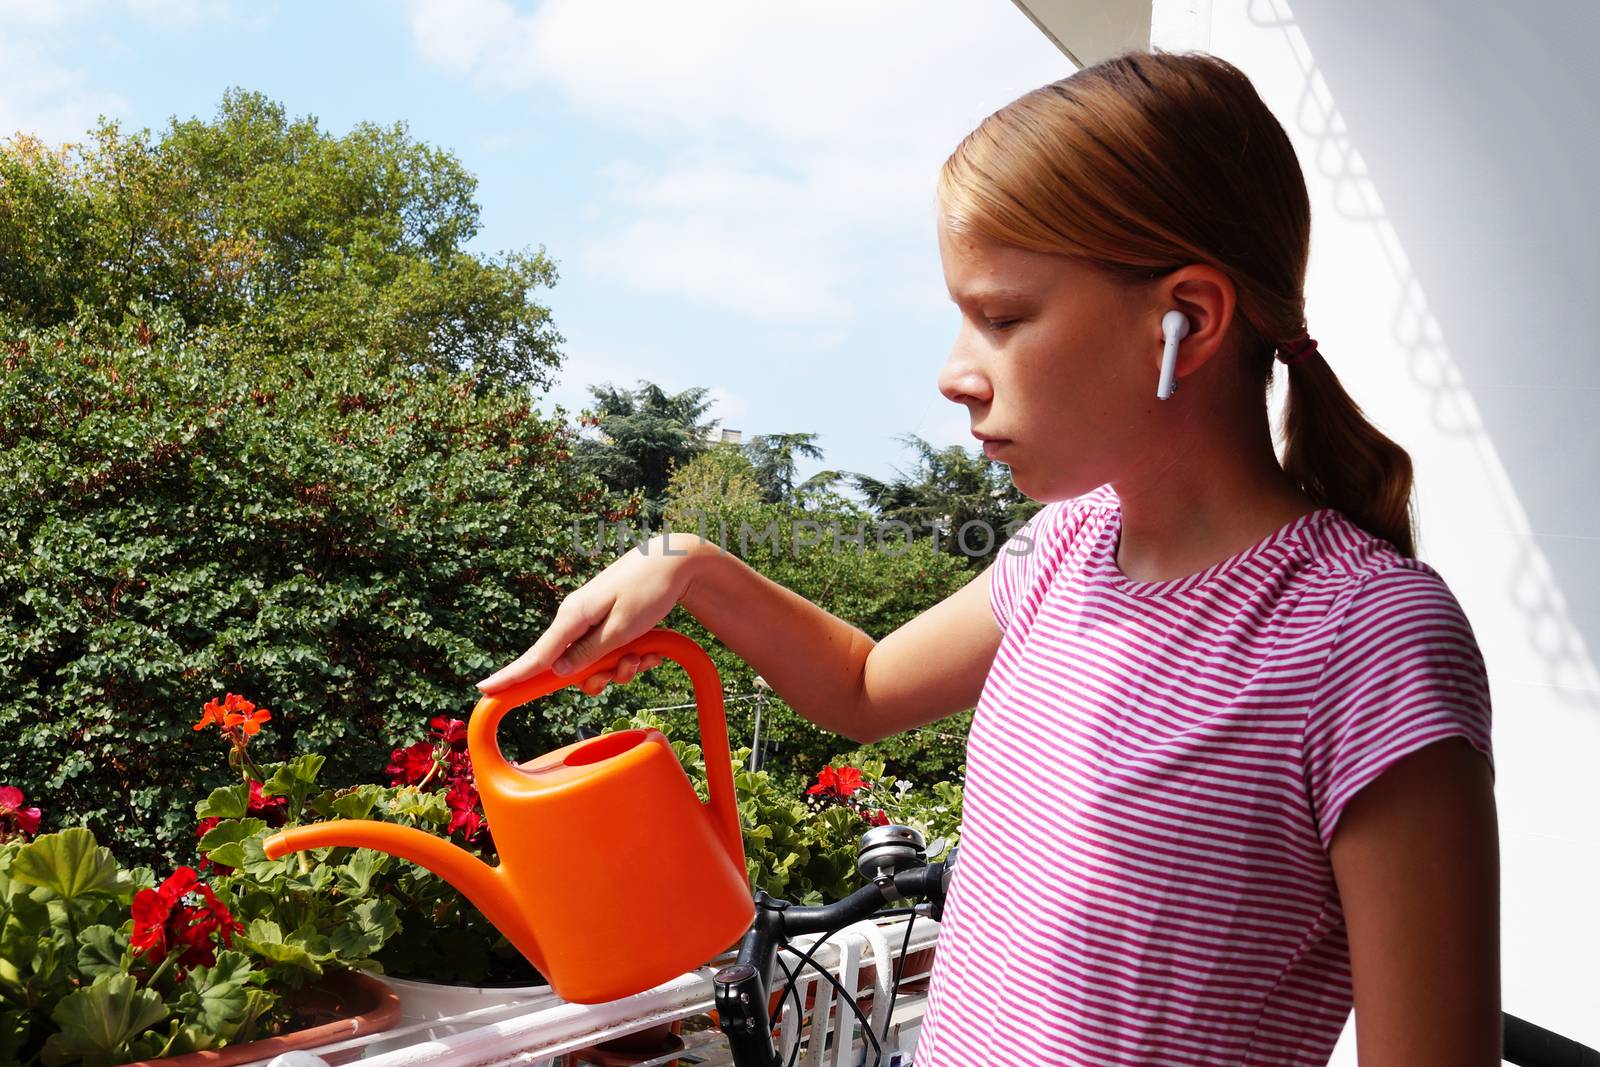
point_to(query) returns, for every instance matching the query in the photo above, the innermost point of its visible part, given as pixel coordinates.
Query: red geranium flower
(14, 818)
(232, 710)
(410, 765)
(452, 732)
(463, 801)
(211, 713)
(271, 809)
(207, 922)
(249, 722)
(163, 922)
(827, 781)
(838, 782)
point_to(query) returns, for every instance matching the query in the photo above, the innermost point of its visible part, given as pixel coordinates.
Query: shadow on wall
(1500, 220)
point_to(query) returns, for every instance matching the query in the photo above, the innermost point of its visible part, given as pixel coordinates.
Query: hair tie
(1302, 347)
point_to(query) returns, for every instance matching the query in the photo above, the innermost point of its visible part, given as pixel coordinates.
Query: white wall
(1451, 153)
(1451, 157)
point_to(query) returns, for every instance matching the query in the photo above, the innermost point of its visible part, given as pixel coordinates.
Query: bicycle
(894, 860)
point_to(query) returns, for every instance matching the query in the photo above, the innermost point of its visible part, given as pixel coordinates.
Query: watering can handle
(484, 726)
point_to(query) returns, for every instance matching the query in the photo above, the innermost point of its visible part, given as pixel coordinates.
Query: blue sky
(739, 192)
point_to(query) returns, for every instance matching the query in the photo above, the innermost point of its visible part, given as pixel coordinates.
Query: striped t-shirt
(1154, 775)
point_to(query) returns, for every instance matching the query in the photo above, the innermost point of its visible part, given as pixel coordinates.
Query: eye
(1002, 324)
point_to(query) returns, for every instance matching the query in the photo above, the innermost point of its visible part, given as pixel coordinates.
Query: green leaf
(298, 774)
(100, 951)
(226, 802)
(312, 939)
(356, 805)
(424, 807)
(224, 842)
(373, 923)
(265, 939)
(355, 876)
(69, 864)
(14, 1027)
(99, 1020)
(214, 998)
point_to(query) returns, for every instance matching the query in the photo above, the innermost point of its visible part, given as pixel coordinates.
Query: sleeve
(1021, 562)
(1405, 671)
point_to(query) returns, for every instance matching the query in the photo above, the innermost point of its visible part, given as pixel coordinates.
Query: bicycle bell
(886, 850)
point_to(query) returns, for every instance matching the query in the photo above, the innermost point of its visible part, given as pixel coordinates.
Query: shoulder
(1401, 670)
(1368, 583)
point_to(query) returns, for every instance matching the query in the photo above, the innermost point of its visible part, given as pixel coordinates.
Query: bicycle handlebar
(742, 987)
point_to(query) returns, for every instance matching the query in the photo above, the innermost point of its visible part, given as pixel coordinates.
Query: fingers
(627, 669)
(574, 618)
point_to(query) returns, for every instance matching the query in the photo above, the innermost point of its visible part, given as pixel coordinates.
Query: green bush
(351, 544)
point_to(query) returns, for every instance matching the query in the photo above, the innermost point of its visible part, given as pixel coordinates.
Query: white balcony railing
(535, 1033)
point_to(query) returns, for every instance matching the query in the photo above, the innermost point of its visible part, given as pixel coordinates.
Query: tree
(947, 491)
(719, 480)
(275, 237)
(643, 435)
(773, 456)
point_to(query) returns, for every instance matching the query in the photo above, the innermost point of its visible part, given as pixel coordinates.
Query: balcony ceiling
(1088, 31)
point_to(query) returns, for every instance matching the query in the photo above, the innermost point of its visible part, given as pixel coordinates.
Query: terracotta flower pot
(359, 1003)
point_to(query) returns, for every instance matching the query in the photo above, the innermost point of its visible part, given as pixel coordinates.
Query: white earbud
(1174, 327)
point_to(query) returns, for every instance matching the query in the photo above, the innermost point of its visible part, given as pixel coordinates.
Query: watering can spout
(480, 883)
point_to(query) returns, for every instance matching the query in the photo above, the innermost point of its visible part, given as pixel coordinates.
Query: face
(1052, 359)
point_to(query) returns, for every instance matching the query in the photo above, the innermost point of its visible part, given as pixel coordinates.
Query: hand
(620, 603)
(627, 668)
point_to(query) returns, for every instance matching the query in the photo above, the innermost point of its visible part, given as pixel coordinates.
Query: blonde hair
(1150, 161)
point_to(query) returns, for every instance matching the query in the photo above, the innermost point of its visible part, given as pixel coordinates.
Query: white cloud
(43, 95)
(45, 98)
(36, 13)
(802, 141)
(172, 13)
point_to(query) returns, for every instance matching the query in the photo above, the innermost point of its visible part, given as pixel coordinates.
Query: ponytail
(1342, 461)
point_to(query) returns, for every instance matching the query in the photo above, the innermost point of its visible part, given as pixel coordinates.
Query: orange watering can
(613, 876)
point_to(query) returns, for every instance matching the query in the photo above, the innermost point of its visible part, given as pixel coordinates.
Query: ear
(1206, 296)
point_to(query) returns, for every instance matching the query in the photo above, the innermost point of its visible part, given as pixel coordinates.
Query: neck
(1203, 497)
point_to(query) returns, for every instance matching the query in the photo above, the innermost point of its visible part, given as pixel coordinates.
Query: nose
(962, 380)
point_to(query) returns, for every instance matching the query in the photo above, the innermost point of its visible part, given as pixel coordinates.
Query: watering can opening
(576, 761)
(604, 747)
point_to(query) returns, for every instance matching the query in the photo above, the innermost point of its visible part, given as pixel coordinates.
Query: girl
(1230, 768)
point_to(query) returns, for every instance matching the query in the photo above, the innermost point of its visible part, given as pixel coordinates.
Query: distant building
(720, 436)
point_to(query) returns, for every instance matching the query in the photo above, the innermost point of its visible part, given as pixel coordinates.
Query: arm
(832, 673)
(1416, 858)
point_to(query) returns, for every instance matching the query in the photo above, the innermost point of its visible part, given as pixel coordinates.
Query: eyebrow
(999, 293)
